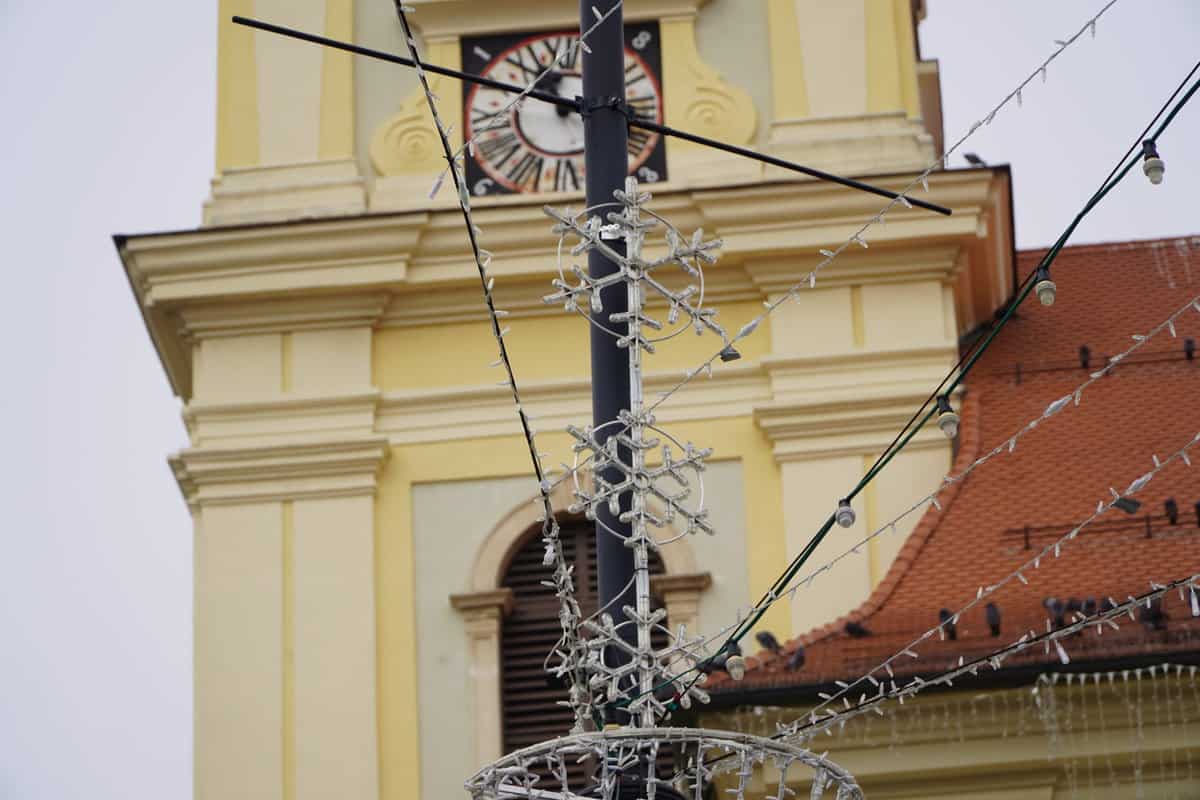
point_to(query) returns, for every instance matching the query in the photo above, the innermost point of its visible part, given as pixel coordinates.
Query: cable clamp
(589, 104)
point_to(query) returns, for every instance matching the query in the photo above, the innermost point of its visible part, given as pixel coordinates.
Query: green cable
(771, 595)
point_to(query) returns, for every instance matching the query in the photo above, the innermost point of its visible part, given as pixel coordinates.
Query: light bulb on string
(1152, 164)
(1046, 289)
(845, 514)
(947, 419)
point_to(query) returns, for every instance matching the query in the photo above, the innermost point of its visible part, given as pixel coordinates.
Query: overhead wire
(957, 374)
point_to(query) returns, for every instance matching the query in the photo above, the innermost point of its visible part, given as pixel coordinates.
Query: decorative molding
(248, 317)
(286, 191)
(859, 375)
(493, 555)
(289, 416)
(887, 263)
(680, 594)
(854, 145)
(693, 582)
(491, 605)
(483, 613)
(771, 231)
(813, 430)
(698, 100)
(483, 411)
(444, 18)
(332, 468)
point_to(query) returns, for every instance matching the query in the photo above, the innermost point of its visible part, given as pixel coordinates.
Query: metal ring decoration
(621, 756)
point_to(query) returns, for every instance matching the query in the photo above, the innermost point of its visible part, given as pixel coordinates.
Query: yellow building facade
(356, 476)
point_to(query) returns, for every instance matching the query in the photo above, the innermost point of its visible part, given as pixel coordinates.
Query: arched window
(529, 703)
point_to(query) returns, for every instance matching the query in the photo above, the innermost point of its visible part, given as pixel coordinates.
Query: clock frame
(539, 148)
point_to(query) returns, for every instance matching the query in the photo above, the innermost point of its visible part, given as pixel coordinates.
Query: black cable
(574, 105)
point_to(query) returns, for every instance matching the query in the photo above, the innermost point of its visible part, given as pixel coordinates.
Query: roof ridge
(1128, 244)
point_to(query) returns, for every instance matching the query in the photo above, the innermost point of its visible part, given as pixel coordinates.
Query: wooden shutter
(530, 704)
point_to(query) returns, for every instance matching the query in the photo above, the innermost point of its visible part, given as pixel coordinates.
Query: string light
(817, 722)
(1152, 165)
(962, 368)
(947, 420)
(859, 238)
(622, 755)
(787, 589)
(572, 651)
(1045, 288)
(1052, 550)
(845, 514)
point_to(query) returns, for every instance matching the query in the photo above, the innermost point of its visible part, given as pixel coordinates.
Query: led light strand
(803, 731)
(1007, 446)
(616, 473)
(809, 280)
(858, 237)
(563, 576)
(1052, 550)
(497, 119)
(1071, 399)
(815, 722)
(959, 371)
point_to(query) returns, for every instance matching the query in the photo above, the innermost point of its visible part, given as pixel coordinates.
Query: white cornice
(324, 468)
(801, 430)
(440, 19)
(484, 411)
(417, 267)
(283, 315)
(267, 420)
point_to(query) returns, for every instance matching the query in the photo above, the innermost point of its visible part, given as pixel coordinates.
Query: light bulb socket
(1046, 289)
(947, 419)
(844, 515)
(1152, 164)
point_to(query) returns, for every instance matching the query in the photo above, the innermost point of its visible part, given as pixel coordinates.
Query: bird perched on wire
(974, 160)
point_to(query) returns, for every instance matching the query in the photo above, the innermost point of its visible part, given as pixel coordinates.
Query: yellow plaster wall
(498, 458)
(542, 348)
(239, 367)
(336, 135)
(237, 88)
(239, 653)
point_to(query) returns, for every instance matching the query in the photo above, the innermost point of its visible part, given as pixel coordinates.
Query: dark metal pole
(606, 163)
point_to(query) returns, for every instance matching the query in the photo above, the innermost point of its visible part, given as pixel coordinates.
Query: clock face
(539, 147)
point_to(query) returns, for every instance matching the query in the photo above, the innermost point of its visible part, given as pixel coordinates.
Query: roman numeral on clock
(638, 139)
(644, 106)
(526, 171)
(565, 179)
(499, 149)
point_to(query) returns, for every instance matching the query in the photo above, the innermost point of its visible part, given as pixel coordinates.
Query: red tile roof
(1106, 293)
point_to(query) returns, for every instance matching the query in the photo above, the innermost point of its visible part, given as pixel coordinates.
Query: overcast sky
(108, 127)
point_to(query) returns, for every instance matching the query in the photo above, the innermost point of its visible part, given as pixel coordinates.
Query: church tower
(358, 486)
